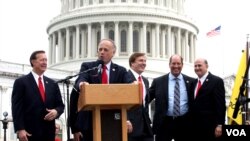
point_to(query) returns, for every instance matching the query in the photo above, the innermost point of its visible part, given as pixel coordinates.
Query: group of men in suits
(202, 108)
(200, 114)
(203, 111)
(139, 124)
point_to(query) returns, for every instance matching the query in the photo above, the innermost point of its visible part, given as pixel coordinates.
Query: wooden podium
(96, 97)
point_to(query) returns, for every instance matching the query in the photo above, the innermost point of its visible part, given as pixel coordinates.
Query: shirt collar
(202, 79)
(172, 77)
(36, 76)
(108, 65)
(135, 74)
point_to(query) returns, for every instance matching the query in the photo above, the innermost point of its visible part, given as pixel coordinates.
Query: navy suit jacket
(82, 121)
(139, 117)
(28, 109)
(159, 92)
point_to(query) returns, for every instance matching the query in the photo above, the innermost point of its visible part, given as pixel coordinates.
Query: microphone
(100, 64)
(99, 68)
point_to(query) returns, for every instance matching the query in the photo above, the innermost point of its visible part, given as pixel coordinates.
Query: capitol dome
(158, 28)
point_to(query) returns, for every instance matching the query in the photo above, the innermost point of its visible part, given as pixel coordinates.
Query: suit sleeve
(17, 105)
(220, 102)
(73, 110)
(85, 76)
(59, 103)
(151, 91)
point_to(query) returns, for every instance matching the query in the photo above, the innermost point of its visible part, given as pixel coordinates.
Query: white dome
(158, 28)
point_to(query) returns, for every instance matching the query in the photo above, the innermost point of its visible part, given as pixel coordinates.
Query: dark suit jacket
(139, 117)
(82, 121)
(159, 92)
(209, 107)
(28, 109)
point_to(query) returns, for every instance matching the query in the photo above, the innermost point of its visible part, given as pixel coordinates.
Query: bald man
(208, 107)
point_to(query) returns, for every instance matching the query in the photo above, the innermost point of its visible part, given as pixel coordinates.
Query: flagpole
(245, 114)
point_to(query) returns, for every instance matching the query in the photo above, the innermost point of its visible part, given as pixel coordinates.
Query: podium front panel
(111, 96)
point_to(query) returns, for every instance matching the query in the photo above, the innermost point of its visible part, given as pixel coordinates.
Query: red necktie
(104, 75)
(41, 89)
(141, 88)
(198, 88)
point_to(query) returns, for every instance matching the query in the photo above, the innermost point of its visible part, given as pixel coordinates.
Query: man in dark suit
(209, 107)
(81, 122)
(138, 118)
(34, 113)
(169, 123)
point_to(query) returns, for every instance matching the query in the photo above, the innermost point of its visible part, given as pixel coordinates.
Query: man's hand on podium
(129, 126)
(82, 83)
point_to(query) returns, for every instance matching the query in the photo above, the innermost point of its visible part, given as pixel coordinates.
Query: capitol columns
(178, 46)
(60, 47)
(144, 40)
(83, 43)
(50, 50)
(187, 48)
(163, 42)
(77, 41)
(89, 50)
(130, 37)
(102, 30)
(169, 41)
(116, 38)
(192, 47)
(157, 41)
(67, 44)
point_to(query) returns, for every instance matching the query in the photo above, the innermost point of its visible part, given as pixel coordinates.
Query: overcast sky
(23, 26)
(223, 51)
(23, 29)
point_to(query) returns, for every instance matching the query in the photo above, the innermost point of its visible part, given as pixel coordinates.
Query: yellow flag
(236, 91)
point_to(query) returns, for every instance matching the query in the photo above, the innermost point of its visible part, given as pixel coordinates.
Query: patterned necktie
(198, 88)
(104, 75)
(41, 88)
(176, 111)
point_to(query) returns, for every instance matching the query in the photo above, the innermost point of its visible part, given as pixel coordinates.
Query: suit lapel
(46, 85)
(206, 82)
(165, 89)
(112, 73)
(132, 76)
(204, 85)
(35, 86)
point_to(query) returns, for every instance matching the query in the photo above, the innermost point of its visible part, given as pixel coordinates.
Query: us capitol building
(158, 28)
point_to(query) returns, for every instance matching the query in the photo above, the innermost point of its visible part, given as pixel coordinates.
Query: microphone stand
(66, 80)
(5, 122)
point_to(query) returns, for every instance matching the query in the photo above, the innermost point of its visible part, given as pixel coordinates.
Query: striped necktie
(176, 111)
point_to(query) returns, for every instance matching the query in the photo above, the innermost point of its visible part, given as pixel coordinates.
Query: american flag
(214, 32)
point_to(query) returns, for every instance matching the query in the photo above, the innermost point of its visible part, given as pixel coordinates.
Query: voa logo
(236, 132)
